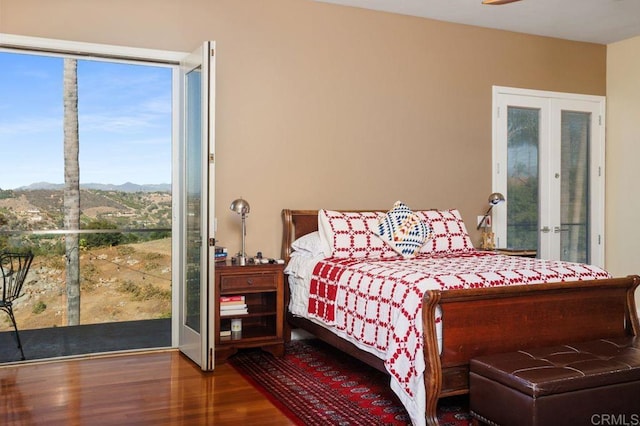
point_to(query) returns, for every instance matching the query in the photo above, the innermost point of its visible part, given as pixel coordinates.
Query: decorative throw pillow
(448, 233)
(349, 234)
(403, 230)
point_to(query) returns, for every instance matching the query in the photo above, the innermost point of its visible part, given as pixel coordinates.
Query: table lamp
(241, 207)
(488, 242)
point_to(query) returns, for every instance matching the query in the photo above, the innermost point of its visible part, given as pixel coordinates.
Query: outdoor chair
(14, 271)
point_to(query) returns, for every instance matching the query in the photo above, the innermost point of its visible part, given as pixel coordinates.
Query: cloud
(30, 126)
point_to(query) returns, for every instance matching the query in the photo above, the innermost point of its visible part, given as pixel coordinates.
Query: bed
(459, 324)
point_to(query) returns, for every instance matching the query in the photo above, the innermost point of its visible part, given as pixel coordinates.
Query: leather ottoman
(588, 383)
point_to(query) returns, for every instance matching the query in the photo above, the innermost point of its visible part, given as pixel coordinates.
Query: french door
(549, 163)
(197, 178)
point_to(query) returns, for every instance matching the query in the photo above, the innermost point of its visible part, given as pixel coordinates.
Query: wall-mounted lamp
(488, 242)
(241, 207)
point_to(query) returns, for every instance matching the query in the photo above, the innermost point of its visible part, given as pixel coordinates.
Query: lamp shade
(496, 198)
(240, 206)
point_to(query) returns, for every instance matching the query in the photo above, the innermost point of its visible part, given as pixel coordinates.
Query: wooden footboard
(491, 320)
(503, 319)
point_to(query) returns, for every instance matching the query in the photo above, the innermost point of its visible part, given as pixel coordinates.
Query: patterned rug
(315, 384)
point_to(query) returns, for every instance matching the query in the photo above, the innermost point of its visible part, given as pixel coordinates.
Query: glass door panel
(194, 195)
(523, 136)
(574, 188)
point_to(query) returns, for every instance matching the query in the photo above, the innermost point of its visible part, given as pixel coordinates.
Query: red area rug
(315, 384)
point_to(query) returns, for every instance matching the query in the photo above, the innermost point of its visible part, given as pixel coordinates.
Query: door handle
(545, 229)
(557, 229)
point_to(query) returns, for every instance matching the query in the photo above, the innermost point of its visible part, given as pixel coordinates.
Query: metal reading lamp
(488, 242)
(241, 207)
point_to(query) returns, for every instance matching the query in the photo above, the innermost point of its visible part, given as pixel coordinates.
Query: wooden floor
(154, 388)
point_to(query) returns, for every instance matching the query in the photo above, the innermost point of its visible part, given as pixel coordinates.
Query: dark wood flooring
(153, 388)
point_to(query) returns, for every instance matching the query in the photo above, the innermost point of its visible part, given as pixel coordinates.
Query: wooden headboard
(296, 223)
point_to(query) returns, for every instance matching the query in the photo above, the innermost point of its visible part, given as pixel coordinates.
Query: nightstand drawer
(248, 282)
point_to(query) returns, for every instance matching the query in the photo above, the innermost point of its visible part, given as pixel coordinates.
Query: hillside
(122, 283)
(41, 209)
(123, 276)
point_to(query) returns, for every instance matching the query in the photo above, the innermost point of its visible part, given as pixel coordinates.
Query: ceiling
(595, 21)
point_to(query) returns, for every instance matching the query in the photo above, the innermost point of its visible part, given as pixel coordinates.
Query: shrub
(101, 240)
(39, 307)
(144, 292)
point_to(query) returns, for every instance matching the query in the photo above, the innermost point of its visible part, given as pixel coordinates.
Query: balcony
(55, 342)
(125, 295)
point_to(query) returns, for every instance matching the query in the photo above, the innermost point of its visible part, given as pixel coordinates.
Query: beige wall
(327, 106)
(623, 151)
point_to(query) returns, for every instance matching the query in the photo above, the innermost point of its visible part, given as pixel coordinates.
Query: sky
(124, 121)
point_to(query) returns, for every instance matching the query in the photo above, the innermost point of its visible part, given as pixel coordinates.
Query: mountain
(125, 187)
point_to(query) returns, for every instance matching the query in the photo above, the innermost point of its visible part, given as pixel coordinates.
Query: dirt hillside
(122, 283)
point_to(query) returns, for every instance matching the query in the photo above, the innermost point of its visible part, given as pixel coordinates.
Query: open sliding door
(197, 178)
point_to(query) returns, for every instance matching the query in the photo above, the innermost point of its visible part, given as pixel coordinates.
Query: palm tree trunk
(71, 189)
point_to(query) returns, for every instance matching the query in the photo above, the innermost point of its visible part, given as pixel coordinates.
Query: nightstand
(261, 289)
(515, 252)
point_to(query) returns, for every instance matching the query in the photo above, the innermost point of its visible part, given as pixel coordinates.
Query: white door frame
(169, 59)
(551, 103)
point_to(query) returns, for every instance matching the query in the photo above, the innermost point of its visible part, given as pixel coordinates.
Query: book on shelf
(233, 312)
(232, 305)
(235, 298)
(220, 254)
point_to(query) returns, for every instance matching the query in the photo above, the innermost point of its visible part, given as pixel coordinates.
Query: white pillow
(311, 244)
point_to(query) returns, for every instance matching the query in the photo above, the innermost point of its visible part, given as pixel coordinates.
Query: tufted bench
(585, 383)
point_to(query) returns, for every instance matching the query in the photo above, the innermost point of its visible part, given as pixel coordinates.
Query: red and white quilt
(378, 301)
